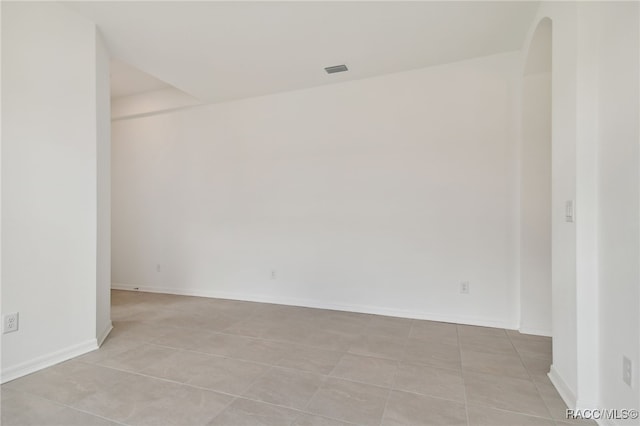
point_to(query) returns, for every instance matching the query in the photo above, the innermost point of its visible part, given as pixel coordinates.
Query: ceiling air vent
(336, 68)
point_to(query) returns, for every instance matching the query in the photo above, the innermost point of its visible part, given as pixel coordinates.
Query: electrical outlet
(464, 287)
(10, 323)
(273, 274)
(626, 370)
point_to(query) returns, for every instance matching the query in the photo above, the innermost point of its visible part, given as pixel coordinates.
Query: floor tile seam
(490, 373)
(255, 380)
(476, 405)
(298, 410)
(422, 364)
(164, 379)
(299, 346)
(386, 402)
(69, 406)
(464, 383)
(544, 402)
(228, 357)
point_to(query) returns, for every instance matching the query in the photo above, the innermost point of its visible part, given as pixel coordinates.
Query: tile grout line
(464, 383)
(535, 384)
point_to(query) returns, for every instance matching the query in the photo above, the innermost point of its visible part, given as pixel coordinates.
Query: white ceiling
(127, 80)
(220, 51)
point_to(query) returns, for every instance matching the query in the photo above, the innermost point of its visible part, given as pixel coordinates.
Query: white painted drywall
(563, 169)
(535, 205)
(619, 213)
(378, 195)
(594, 162)
(49, 159)
(150, 102)
(103, 133)
(535, 186)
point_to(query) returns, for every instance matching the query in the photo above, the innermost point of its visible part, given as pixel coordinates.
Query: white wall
(535, 186)
(619, 213)
(377, 195)
(535, 205)
(49, 156)
(595, 162)
(103, 133)
(150, 102)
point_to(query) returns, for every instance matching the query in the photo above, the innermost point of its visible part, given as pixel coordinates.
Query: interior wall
(595, 163)
(48, 185)
(378, 195)
(535, 186)
(103, 163)
(619, 212)
(563, 182)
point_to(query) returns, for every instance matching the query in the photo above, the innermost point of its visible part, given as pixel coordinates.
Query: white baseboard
(44, 361)
(563, 389)
(105, 333)
(535, 331)
(309, 303)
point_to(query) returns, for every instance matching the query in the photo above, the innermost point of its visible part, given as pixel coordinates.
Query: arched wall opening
(535, 185)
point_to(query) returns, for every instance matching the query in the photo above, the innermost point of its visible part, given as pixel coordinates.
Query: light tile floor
(174, 360)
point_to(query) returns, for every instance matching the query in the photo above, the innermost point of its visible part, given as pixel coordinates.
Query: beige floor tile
(71, 417)
(349, 401)
(506, 393)
(536, 365)
(370, 370)
(225, 375)
(472, 330)
(328, 340)
(435, 354)
(126, 399)
(176, 360)
(484, 362)
(19, 408)
(388, 326)
(533, 346)
(182, 405)
(430, 381)
(489, 344)
(141, 331)
(289, 388)
(262, 351)
(410, 409)
(483, 416)
(292, 332)
(181, 366)
(112, 346)
(68, 382)
(137, 358)
(310, 359)
(251, 327)
(435, 332)
(388, 347)
(243, 412)
(556, 405)
(343, 322)
(305, 419)
(202, 341)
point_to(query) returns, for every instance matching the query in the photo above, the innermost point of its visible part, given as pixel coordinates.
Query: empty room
(320, 213)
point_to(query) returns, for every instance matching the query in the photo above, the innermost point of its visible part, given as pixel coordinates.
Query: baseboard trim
(563, 389)
(536, 331)
(308, 303)
(104, 333)
(44, 361)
